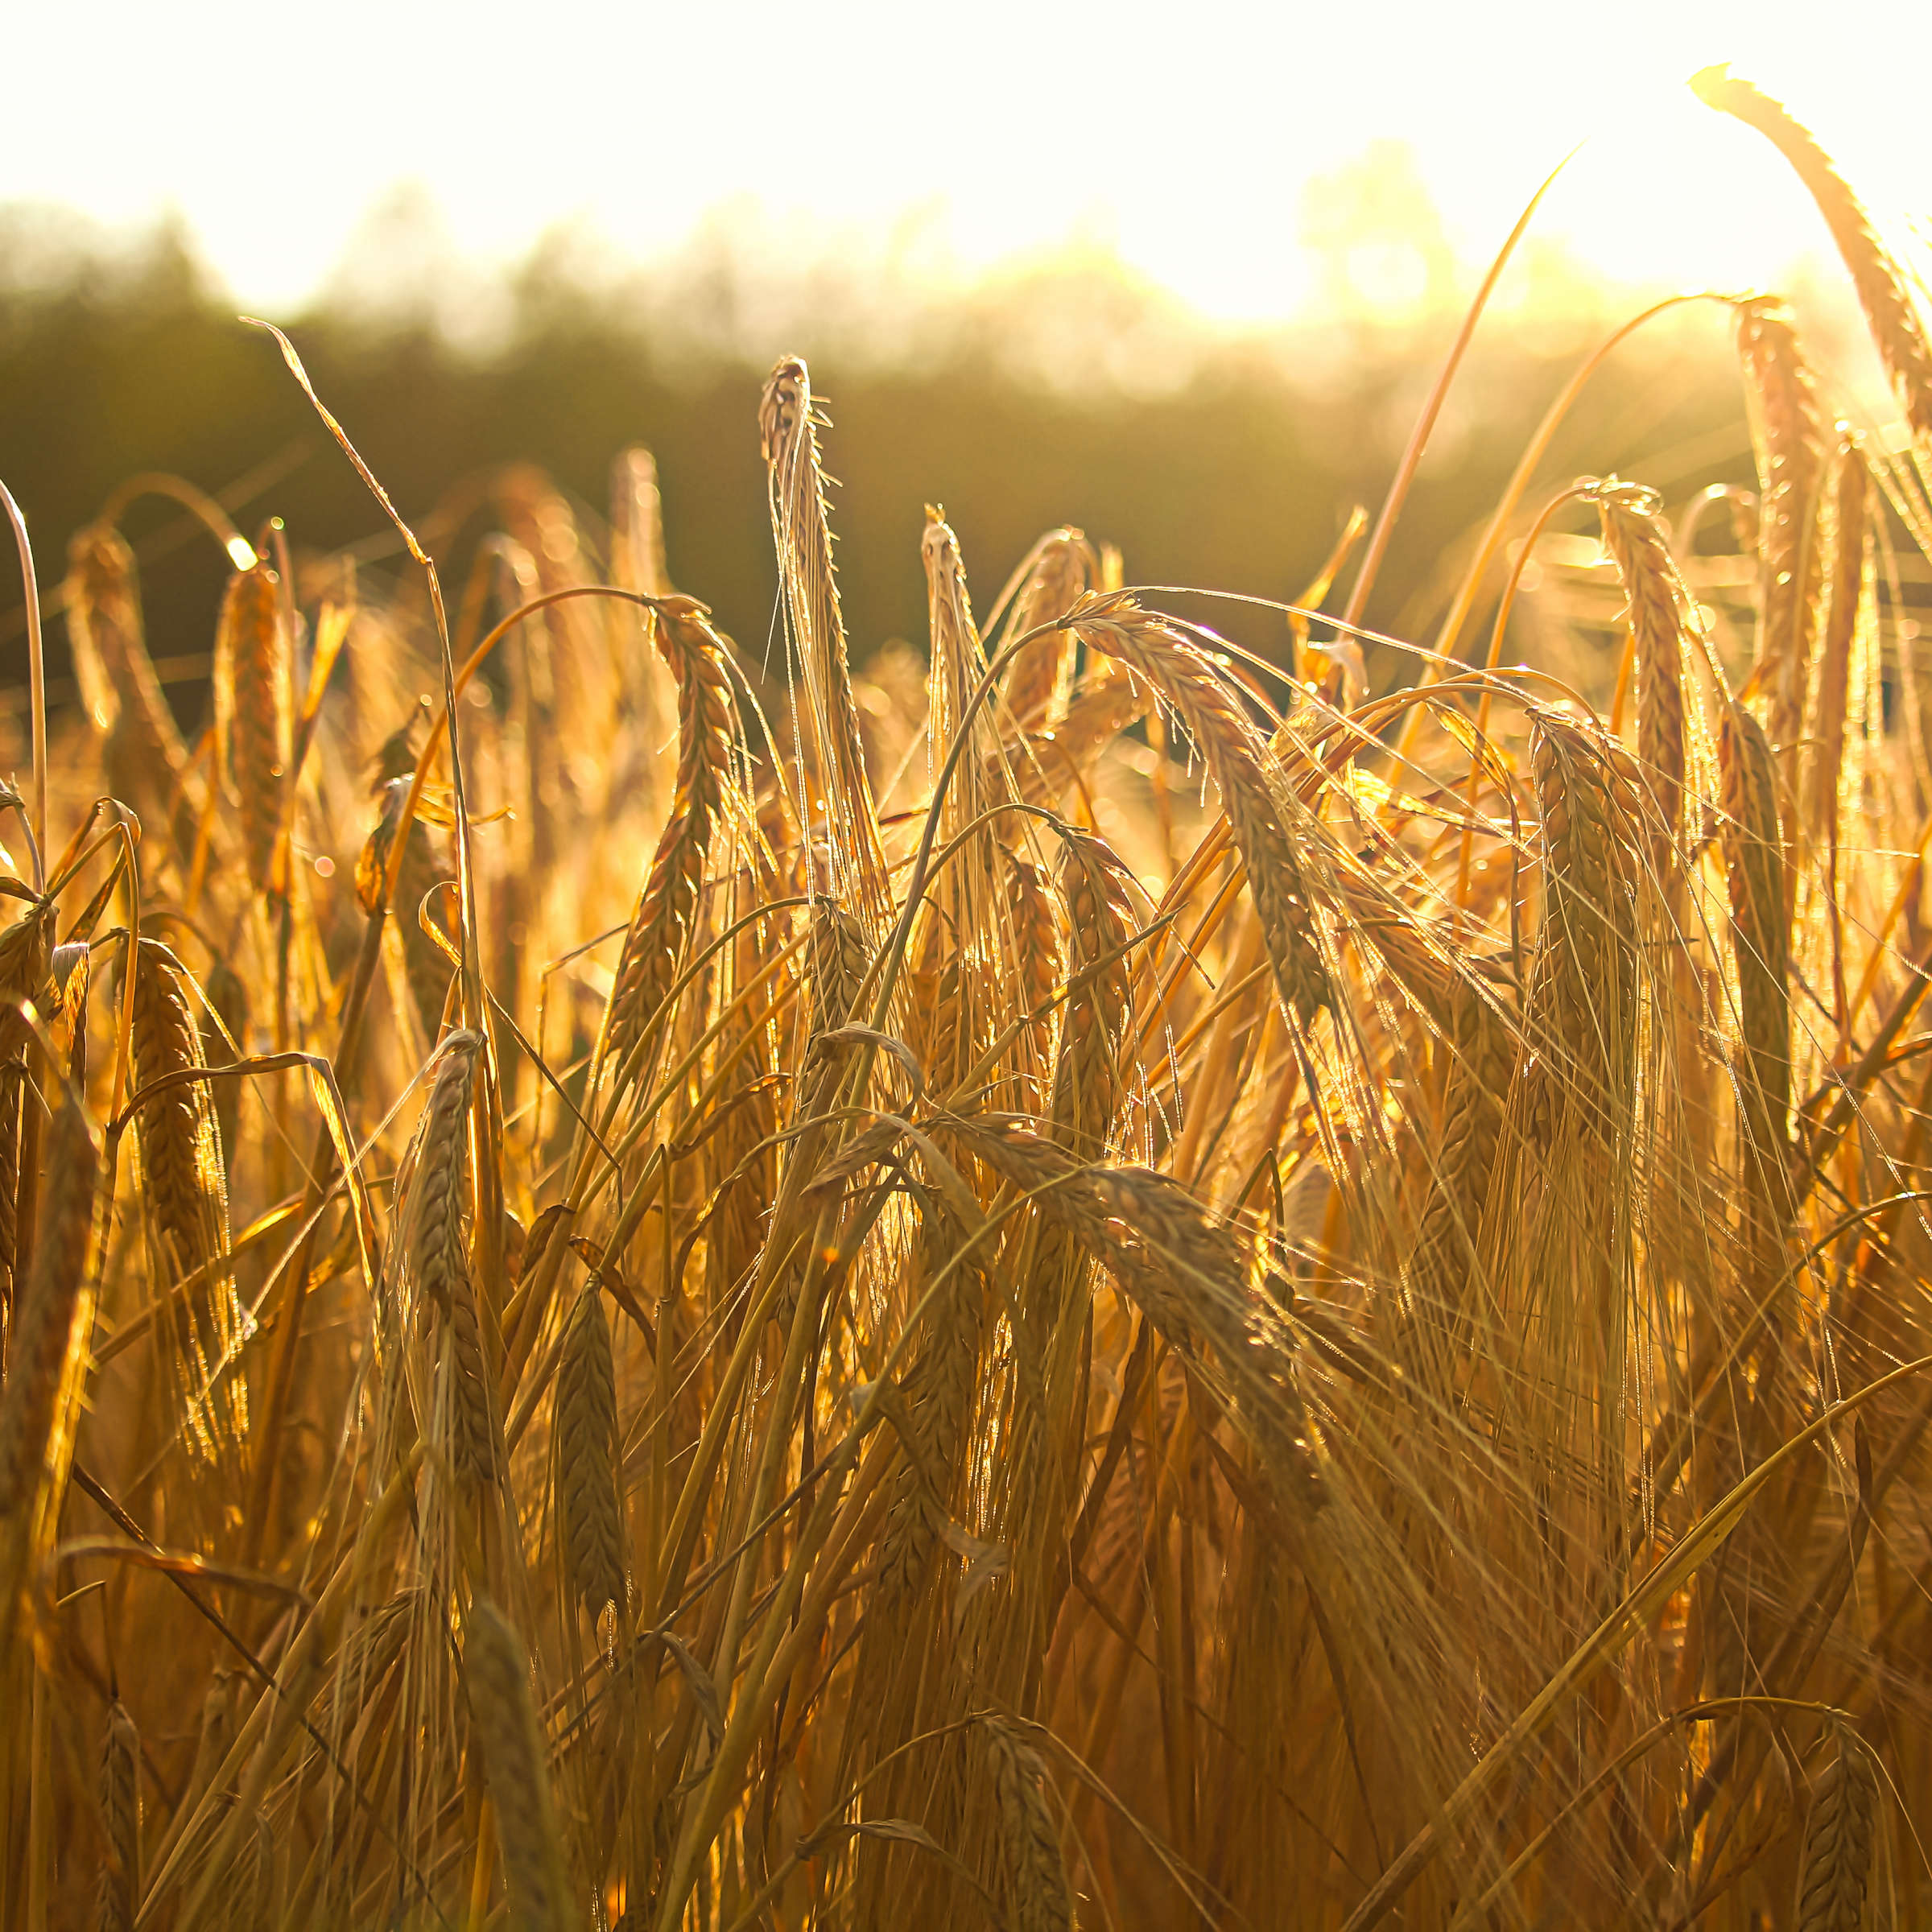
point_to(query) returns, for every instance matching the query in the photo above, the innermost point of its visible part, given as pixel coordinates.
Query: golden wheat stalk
(1837, 1864)
(1635, 538)
(1788, 436)
(147, 765)
(1882, 289)
(1754, 861)
(1039, 680)
(47, 1353)
(1036, 1870)
(1154, 650)
(667, 913)
(119, 1887)
(515, 1762)
(185, 1186)
(254, 710)
(788, 428)
(590, 1521)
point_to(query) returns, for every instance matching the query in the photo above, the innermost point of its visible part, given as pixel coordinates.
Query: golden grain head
(1311, 1314)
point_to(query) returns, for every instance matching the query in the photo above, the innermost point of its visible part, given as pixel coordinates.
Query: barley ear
(48, 1351)
(118, 1888)
(187, 1198)
(668, 903)
(1635, 539)
(255, 708)
(590, 1516)
(1042, 1896)
(515, 1763)
(1039, 681)
(1257, 807)
(1882, 290)
(1787, 434)
(1837, 1863)
(789, 418)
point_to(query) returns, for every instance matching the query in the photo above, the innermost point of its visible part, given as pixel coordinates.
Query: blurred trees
(1066, 394)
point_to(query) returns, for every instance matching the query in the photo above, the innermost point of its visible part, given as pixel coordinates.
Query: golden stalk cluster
(634, 1296)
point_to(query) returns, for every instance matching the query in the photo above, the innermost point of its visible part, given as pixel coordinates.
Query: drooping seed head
(590, 1521)
(516, 1765)
(255, 708)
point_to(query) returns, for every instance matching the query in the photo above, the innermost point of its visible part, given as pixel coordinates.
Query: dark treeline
(1234, 472)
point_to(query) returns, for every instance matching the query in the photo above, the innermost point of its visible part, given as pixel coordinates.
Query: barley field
(654, 1283)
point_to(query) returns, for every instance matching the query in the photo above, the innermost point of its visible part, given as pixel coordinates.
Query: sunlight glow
(1199, 147)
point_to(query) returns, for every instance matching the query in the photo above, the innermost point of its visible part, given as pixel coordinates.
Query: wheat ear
(1755, 862)
(255, 708)
(1186, 1271)
(590, 1521)
(46, 1357)
(147, 763)
(119, 1886)
(1154, 650)
(1042, 1896)
(936, 1409)
(419, 870)
(1837, 1865)
(1086, 1080)
(788, 428)
(1787, 435)
(1826, 734)
(1635, 539)
(439, 1255)
(1061, 759)
(1585, 968)
(667, 906)
(1882, 290)
(187, 1196)
(515, 1763)
(1039, 680)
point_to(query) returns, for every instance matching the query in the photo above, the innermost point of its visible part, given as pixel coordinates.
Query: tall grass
(642, 1294)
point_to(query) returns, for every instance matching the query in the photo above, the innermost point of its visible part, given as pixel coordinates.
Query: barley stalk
(147, 764)
(515, 1761)
(47, 1358)
(1886, 297)
(1154, 650)
(1634, 538)
(1039, 680)
(254, 710)
(788, 428)
(667, 906)
(119, 1887)
(228, 1001)
(1755, 865)
(1788, 436)
(186, 1189)
(590, 1521)
(1042, 1896)
(1837, 1863)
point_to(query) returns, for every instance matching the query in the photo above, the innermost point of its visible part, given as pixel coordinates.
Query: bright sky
(1183, 135)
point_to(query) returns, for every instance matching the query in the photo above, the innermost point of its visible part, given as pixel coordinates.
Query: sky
(1183, 137)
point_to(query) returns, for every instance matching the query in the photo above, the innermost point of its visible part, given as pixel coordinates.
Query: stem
(1418, 440)
(36, 675)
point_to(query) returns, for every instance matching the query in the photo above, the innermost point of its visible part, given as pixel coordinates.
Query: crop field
(655, 1282)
